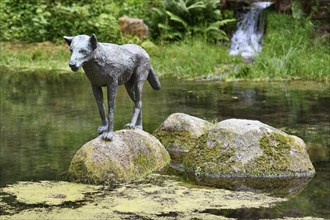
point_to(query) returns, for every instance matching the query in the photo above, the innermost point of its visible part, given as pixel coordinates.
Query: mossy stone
(180, 132)
(247, 148)
(132, 154)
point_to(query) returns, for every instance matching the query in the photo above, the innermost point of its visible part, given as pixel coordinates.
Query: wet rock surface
(132, 154)
(247, 148)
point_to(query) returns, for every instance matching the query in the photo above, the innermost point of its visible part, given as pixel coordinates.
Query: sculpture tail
(153, 79)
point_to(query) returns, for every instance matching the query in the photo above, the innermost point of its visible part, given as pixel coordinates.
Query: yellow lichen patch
(47, 192)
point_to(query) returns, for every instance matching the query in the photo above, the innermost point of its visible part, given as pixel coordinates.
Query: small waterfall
(248, 38)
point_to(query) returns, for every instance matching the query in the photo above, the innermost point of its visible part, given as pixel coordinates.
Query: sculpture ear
(93, 41)
(68, 40)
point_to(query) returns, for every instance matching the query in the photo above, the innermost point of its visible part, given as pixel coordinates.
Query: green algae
(48, 192)
(156, 197)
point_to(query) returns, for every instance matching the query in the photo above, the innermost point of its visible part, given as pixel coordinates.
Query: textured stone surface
(132, 154)
(246, 148)
(180, 132)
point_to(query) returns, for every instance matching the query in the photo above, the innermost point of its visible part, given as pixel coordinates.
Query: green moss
(94, 164)
(182, 141)
(276, 159)
(275, 143)
(143, 164)
(281, 156)
(82, 169)
(211, 161)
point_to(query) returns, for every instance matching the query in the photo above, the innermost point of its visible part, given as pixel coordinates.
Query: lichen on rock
(132, 154)
(247, 148)
(180, 132)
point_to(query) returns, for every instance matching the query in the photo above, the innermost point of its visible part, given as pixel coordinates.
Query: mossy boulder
(247, 148)
(131, 155)
(180, 132)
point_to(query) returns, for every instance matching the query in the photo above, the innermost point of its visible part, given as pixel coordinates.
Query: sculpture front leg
(112, 89)
(98, 94)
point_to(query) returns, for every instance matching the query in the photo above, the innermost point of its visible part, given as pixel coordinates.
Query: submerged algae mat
(49, 193)
(156, 197)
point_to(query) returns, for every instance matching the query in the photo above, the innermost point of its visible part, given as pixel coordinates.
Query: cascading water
(248, 38)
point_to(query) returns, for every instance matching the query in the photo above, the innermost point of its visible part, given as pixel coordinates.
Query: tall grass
(290, 52)
(193, 59)
(41, 56)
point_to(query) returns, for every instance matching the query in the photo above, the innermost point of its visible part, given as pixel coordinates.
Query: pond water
(45, 121)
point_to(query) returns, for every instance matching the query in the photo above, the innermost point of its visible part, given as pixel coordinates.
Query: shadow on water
(46, 118)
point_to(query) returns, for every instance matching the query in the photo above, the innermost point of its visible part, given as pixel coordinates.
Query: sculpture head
(81, 48)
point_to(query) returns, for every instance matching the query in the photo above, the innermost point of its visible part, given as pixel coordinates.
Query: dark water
(44, 121)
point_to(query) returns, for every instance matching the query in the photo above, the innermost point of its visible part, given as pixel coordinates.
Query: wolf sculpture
(111, 65)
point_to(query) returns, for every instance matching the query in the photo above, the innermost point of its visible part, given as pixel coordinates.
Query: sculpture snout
(74, 67)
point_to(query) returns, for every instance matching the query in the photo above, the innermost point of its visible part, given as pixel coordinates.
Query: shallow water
(45, 121)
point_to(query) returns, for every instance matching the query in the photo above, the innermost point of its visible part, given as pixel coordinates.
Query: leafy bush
(179, 19)
(41, 20)
(44, 20)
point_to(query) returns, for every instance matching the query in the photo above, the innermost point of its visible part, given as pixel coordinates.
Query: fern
(189, 18)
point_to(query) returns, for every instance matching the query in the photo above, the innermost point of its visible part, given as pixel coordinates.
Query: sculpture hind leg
(134, 90)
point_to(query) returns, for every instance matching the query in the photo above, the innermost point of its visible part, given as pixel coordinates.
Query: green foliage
(42, 20)
(297, 12)
(136, 8)
(179, 19)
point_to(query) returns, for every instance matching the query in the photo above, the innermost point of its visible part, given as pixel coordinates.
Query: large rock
(133, 27)
(132, 154)
(246, 148)
(180, 132)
